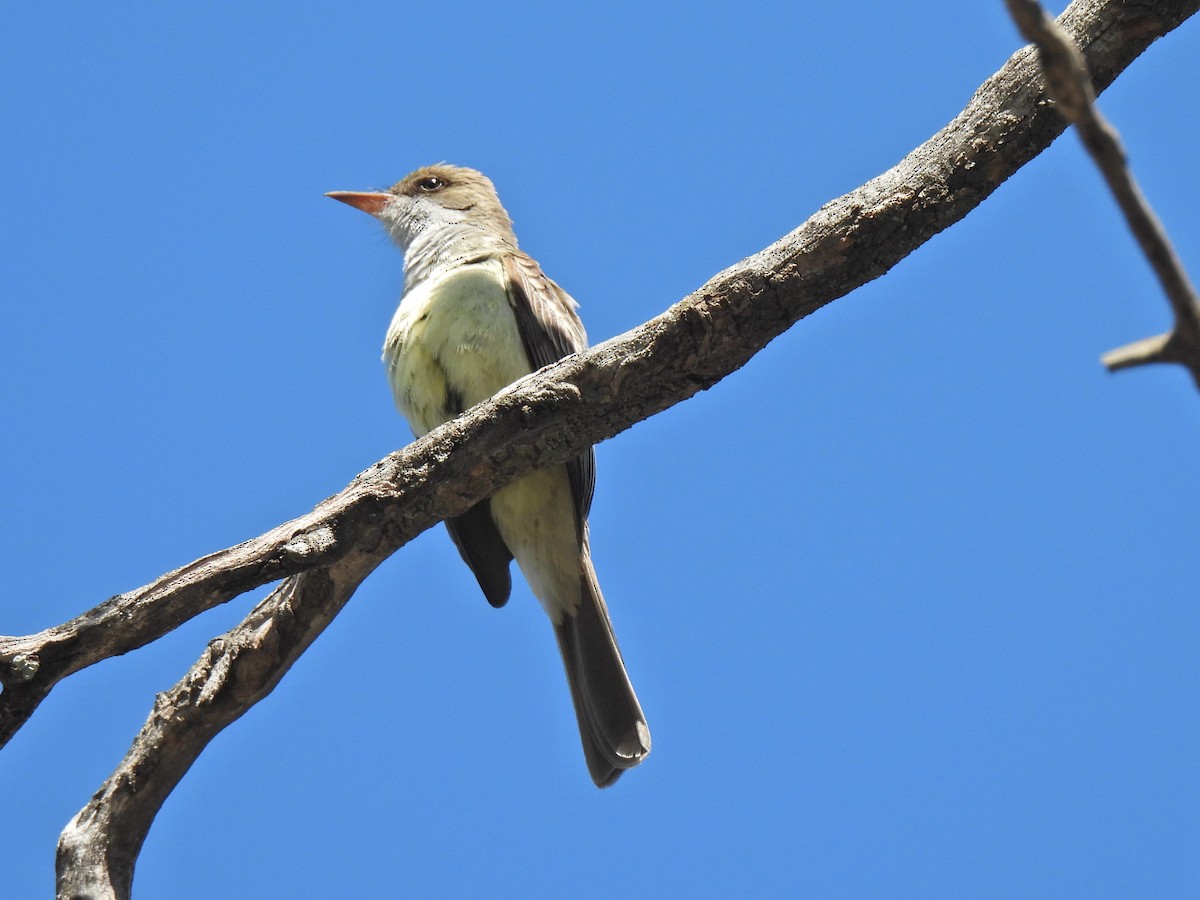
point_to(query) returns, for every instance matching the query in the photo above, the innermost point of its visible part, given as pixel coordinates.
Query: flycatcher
(476, 315)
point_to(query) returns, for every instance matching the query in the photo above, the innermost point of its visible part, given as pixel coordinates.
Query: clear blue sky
(910, 600)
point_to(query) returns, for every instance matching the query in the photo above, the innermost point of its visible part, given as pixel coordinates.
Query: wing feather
(550, 329)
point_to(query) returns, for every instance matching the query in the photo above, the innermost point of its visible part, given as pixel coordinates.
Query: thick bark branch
(1071, 88)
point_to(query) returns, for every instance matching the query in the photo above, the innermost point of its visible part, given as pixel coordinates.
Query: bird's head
(432, 198)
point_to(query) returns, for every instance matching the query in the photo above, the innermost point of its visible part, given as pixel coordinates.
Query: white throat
(439, 248)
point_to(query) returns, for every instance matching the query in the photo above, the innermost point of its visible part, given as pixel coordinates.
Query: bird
(476, 314)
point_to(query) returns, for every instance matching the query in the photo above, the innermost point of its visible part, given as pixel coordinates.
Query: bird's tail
(611, 723)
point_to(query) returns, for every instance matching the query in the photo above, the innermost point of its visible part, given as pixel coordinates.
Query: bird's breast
(453, 342)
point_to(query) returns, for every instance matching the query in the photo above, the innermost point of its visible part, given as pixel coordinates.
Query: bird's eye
(431, 184)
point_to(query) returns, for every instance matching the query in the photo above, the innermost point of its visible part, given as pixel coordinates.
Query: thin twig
(1068, 84)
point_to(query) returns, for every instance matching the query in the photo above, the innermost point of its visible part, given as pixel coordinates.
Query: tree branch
(544, 419)
(99, 847)
(1069, 85)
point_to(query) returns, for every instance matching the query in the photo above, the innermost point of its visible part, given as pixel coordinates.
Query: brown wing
(481, 547)
(550, 329)
(476, 536)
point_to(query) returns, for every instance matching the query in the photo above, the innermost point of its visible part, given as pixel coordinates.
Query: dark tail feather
(611, 723)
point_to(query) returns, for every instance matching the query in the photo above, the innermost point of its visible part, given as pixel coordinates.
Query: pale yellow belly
(457, 335)
(457, 338)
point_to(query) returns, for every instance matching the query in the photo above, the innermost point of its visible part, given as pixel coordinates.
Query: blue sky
(909, 601)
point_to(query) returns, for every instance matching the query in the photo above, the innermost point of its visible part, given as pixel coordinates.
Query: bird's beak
(367, 201)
